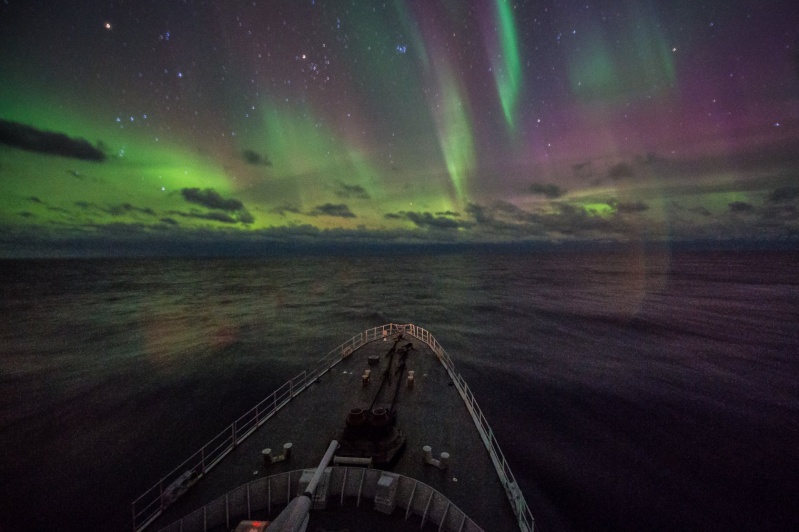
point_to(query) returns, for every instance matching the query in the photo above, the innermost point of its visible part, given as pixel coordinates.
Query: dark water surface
(629, 391)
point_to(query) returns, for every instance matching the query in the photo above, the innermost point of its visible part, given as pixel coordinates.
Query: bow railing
(147, 507)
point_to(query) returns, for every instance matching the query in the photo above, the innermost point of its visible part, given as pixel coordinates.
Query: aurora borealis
(150, 125)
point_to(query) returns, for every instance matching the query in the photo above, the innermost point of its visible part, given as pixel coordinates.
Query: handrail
(147, 507)
(518, 503)
(256, 495)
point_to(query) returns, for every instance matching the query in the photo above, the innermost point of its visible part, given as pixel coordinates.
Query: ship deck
(431, 412)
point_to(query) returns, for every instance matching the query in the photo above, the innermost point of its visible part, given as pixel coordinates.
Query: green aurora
(414, 122)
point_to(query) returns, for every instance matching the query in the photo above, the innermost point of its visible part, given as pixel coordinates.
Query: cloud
(428, 220)
(621, 171)
(125, 208)
(36, 140)
(741, 206)
(213, 216)
(448, 213)
(781, 194)
(547, 189)
(345, 191)
(245, 217)
(77, 175)
(210, 198)
(425, 219)
(480, 213)
(283, 209)
(234, 211)
(339, 210)
(503, 221)
(255, 158)
(115, 210)
(516, 213)
(240, 217)
(638, 206)
(87, 205)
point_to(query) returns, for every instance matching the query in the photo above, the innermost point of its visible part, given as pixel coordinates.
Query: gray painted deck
(430, 413)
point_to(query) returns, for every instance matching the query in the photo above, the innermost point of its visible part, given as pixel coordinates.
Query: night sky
(161, 126)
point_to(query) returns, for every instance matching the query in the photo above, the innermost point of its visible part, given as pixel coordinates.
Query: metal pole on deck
(294, 517)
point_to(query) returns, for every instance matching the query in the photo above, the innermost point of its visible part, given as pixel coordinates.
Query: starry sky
(186, 125)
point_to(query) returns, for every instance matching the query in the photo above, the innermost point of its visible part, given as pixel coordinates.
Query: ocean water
(640, 390)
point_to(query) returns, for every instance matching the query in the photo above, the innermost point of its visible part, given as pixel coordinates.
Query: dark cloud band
(36, 140)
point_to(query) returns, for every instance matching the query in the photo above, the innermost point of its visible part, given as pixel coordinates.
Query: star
(107, 25)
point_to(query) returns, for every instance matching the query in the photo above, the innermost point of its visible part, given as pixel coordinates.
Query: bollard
(428, 458)
(444, 460)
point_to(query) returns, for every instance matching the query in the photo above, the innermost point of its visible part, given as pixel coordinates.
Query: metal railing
(147, 507)
(514, 493)
(342, 483)
(152, 502)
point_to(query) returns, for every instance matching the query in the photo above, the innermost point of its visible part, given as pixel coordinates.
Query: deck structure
(230, 478)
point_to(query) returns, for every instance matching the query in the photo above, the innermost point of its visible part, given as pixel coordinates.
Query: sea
(630, 389)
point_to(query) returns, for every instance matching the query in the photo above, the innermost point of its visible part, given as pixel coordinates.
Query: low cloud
(283, 209)
(338, 210)
(480, 213)
(126, 208)
(345, 191)
(87, 205)
(546, 189)
(48, 142)
(427, 220)
(506, 221)
(210, 198)
(782, 194)
(213, 216)
(621, 171)
(115, 210)
(638, 206)
(741, 206)
(240, 217)
(256, 159)
(233, 209)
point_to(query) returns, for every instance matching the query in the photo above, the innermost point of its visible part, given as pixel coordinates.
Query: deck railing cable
(147, 507)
